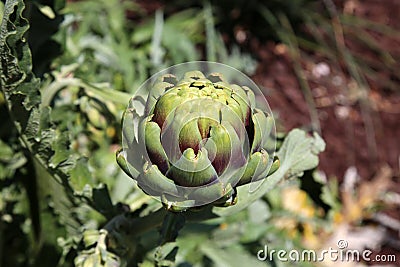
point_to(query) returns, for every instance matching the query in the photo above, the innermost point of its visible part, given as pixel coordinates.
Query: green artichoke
(192, 141)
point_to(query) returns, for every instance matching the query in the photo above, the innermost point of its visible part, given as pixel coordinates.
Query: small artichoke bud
(194, 138)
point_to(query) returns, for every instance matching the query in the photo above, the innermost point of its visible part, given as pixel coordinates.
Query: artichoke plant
(192, 141)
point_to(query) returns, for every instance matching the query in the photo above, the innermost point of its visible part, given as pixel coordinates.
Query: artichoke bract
(192, 140)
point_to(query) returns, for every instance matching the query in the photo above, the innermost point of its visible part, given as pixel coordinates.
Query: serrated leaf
(31, 130)
(32, 120)
(42, 148)
(299, 152)
(21, 86)
(16, 66)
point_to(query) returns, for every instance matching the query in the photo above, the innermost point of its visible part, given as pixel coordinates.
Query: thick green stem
(167, 248)
(124, 231)
(133, 227)
(172, 223)
(136, 226)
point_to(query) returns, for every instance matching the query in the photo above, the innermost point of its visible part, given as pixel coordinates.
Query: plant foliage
(64, 200)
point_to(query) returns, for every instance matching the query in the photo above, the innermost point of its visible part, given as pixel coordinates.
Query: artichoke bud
(199, 138)
(192, 169)
(154, 147)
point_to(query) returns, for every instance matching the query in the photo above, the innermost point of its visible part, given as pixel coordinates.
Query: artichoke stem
(123, 230)
(173, 222)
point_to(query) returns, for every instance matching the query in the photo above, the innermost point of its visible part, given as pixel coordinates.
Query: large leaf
(17, 78)
(299, 152)
(22, 93)
(20, 86)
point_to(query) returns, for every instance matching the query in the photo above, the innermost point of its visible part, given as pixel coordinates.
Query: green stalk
(124, 231)
(132, 227)
(172, 223)
(167, 248)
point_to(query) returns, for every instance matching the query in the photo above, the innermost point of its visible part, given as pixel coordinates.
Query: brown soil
(362, 135)
(367, 137)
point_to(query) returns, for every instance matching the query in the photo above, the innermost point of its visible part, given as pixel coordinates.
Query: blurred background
(326, 66)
